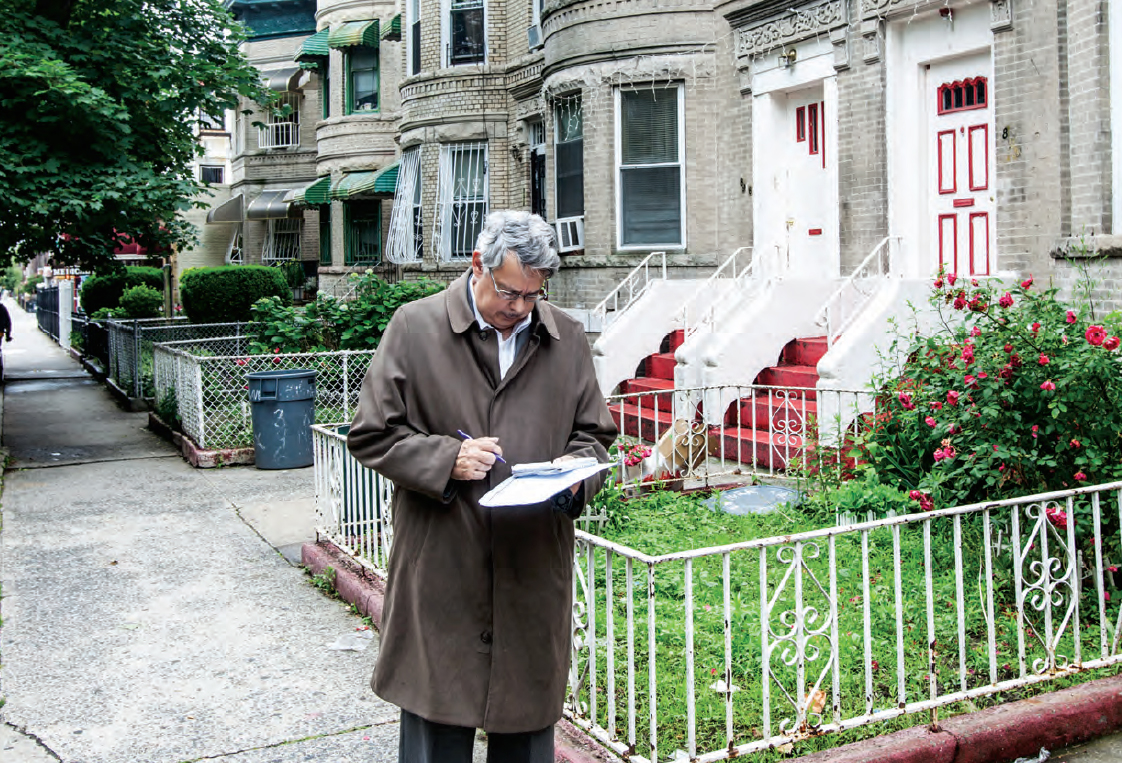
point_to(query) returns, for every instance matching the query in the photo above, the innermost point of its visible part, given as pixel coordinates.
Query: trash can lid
(292, 373)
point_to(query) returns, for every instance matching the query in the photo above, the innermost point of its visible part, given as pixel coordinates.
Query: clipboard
(537, 482)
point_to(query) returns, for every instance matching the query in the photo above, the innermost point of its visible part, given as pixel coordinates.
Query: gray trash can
(283, 409)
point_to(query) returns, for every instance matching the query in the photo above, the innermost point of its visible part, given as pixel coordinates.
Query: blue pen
(466, 436)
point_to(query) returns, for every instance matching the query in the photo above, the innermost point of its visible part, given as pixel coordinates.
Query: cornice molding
(817, 19)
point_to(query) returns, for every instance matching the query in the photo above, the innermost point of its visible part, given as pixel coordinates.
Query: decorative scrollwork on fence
(1049, 582)
(579, 664)
(788, 423)
(804, 638)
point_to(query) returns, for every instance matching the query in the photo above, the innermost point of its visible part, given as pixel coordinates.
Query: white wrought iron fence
(130, 346)
(713, 653)
(208, 380)
(709, 434)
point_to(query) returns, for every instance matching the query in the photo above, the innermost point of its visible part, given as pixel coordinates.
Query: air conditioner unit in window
(570, 234)
(534, 34)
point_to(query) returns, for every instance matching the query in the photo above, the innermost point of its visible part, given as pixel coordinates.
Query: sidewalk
(147, 615)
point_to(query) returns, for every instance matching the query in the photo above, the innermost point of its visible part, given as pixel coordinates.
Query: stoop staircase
(764, 429)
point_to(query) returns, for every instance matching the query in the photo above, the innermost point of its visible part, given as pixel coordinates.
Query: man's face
(501, 313)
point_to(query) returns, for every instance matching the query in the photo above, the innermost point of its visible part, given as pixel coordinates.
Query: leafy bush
(141, 302)
(225, 294)
(12, 278)
(1013, 393)
(30, 284)
(100, 291)
(330, 324)
(106, 312)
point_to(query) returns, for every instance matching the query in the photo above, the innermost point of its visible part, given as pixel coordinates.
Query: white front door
(808, 198)
(960, 177)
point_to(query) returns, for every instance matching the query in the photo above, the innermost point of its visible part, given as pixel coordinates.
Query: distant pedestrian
(478, 610)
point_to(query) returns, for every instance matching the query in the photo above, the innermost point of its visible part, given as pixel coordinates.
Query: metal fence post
(136, 358)
(346, 388)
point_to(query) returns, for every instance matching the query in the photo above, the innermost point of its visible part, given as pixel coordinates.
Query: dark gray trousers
(423, 741)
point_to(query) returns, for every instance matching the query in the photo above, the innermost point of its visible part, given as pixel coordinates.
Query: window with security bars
(649, 152)
(282, 240)
(405, 241)
(235, 253)
(325, 234)
(282, 130)
(362, 232)
(568, 157)
(413, 41)
(466, 33)
(212, 174)
(536, 130)
(362, 80)
(212, 122)
(462, 198)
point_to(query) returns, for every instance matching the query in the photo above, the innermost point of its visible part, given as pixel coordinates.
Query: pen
(466, 436)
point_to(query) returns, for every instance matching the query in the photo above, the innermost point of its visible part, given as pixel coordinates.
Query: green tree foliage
(12, 278)
(225, 294)
(30, 284)
(141, 302)
(104, 291)
(330, 324)
(98, 105)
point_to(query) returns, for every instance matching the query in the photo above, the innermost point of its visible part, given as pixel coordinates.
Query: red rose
(1080, 476)
(1070, 316)
(1111, 343)
(1006, 300)
(959, 303)
(951, 278)
(1035, 327)
(1043, 359)
(1008, 348)
(1096, 335)
(1027, 283)
(952, 398)
(1048, 386)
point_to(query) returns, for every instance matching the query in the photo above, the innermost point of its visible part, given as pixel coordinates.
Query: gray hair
(528, 236)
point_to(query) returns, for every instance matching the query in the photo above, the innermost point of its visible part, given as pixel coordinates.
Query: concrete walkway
(147, 614)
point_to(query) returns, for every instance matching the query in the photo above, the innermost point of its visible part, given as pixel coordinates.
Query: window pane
(650, 126)
(652, 205)
(325, 88)
(325, 234)
(364, 233)
(212, 174)
(467, 36)
(570, 179)
(570, 121)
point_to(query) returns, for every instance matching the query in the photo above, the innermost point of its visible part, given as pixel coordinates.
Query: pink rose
(1027, 283)
(1080, 476)
(929, 421)
(1095, 335)
(1111, 343)
(1070, 316)
(1006, 300)
(951, 278)
(975, 331)
(1048, 386)
(952, 398)
(1043, 359)
(906, 401)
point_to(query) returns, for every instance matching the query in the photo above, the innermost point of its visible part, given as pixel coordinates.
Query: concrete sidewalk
(147, 615)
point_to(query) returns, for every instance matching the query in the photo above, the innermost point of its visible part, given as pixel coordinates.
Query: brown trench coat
(477, 622)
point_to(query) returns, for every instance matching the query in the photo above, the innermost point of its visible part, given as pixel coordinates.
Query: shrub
(330, 324)
(141, 302)
(105, 290)
(225, 294)
(30, 284)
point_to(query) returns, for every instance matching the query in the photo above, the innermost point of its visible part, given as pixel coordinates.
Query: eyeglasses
(514, 296)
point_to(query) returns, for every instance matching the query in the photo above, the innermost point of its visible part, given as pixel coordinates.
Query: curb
(196, 456)
(1018, 729)
(359, 586)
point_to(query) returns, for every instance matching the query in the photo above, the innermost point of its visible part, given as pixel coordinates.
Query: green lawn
(667, 522)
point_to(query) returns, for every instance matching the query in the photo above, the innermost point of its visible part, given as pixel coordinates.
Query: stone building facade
(982, 135)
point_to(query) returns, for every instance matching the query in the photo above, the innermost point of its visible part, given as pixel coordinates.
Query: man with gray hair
(476, 624)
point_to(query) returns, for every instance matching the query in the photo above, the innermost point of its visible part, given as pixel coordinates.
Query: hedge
(106, 290)
(225, 294)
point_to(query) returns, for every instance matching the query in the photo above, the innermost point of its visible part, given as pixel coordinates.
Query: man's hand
(476, 458)
(575, 486)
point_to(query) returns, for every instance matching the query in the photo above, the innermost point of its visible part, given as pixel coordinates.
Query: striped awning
(351, 33)
(392, 32)
(270, 205)
(314, 49)
(352, 184)
(230, 211)
(314, 194)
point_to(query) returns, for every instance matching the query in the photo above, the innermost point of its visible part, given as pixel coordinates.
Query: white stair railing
(702, 303)
(850, 298)
(631, 288)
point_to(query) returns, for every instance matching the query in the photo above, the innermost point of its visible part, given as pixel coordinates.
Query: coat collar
(462, 317)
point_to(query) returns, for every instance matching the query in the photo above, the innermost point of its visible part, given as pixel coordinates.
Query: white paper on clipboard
(538, 487)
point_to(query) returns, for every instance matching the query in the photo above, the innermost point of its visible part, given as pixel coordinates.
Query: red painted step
(804, 352)
(789, 376)
(661, 366)
(676, 339)
(635, 421)
(663, 402)
(768, 450)
(771, 409)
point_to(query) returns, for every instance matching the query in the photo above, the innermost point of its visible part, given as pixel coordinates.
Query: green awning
(392, 32)
(359, 183)
(314, 49)
(318, 192)
(353, 33)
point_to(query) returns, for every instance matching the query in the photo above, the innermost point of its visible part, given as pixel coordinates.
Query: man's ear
(477, 263)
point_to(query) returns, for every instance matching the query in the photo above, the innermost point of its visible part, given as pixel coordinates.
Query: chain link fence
(130, 347)
(205, 381)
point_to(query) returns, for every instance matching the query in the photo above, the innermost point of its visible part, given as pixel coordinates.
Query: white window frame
(402, 245)
(681, 164)
(220, 167)
(283, 240)
(536, 21)
(446, 34)
(446, 197)
(276, 133)
(410, 17)
(1114, 36)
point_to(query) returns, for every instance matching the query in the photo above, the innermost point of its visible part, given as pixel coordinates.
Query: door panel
(961, 207)
(808, 195)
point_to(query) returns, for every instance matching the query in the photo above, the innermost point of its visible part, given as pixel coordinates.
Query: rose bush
(1014, 393)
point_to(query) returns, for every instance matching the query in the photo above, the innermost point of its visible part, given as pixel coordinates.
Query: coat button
(485, 637)
(483, 335)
